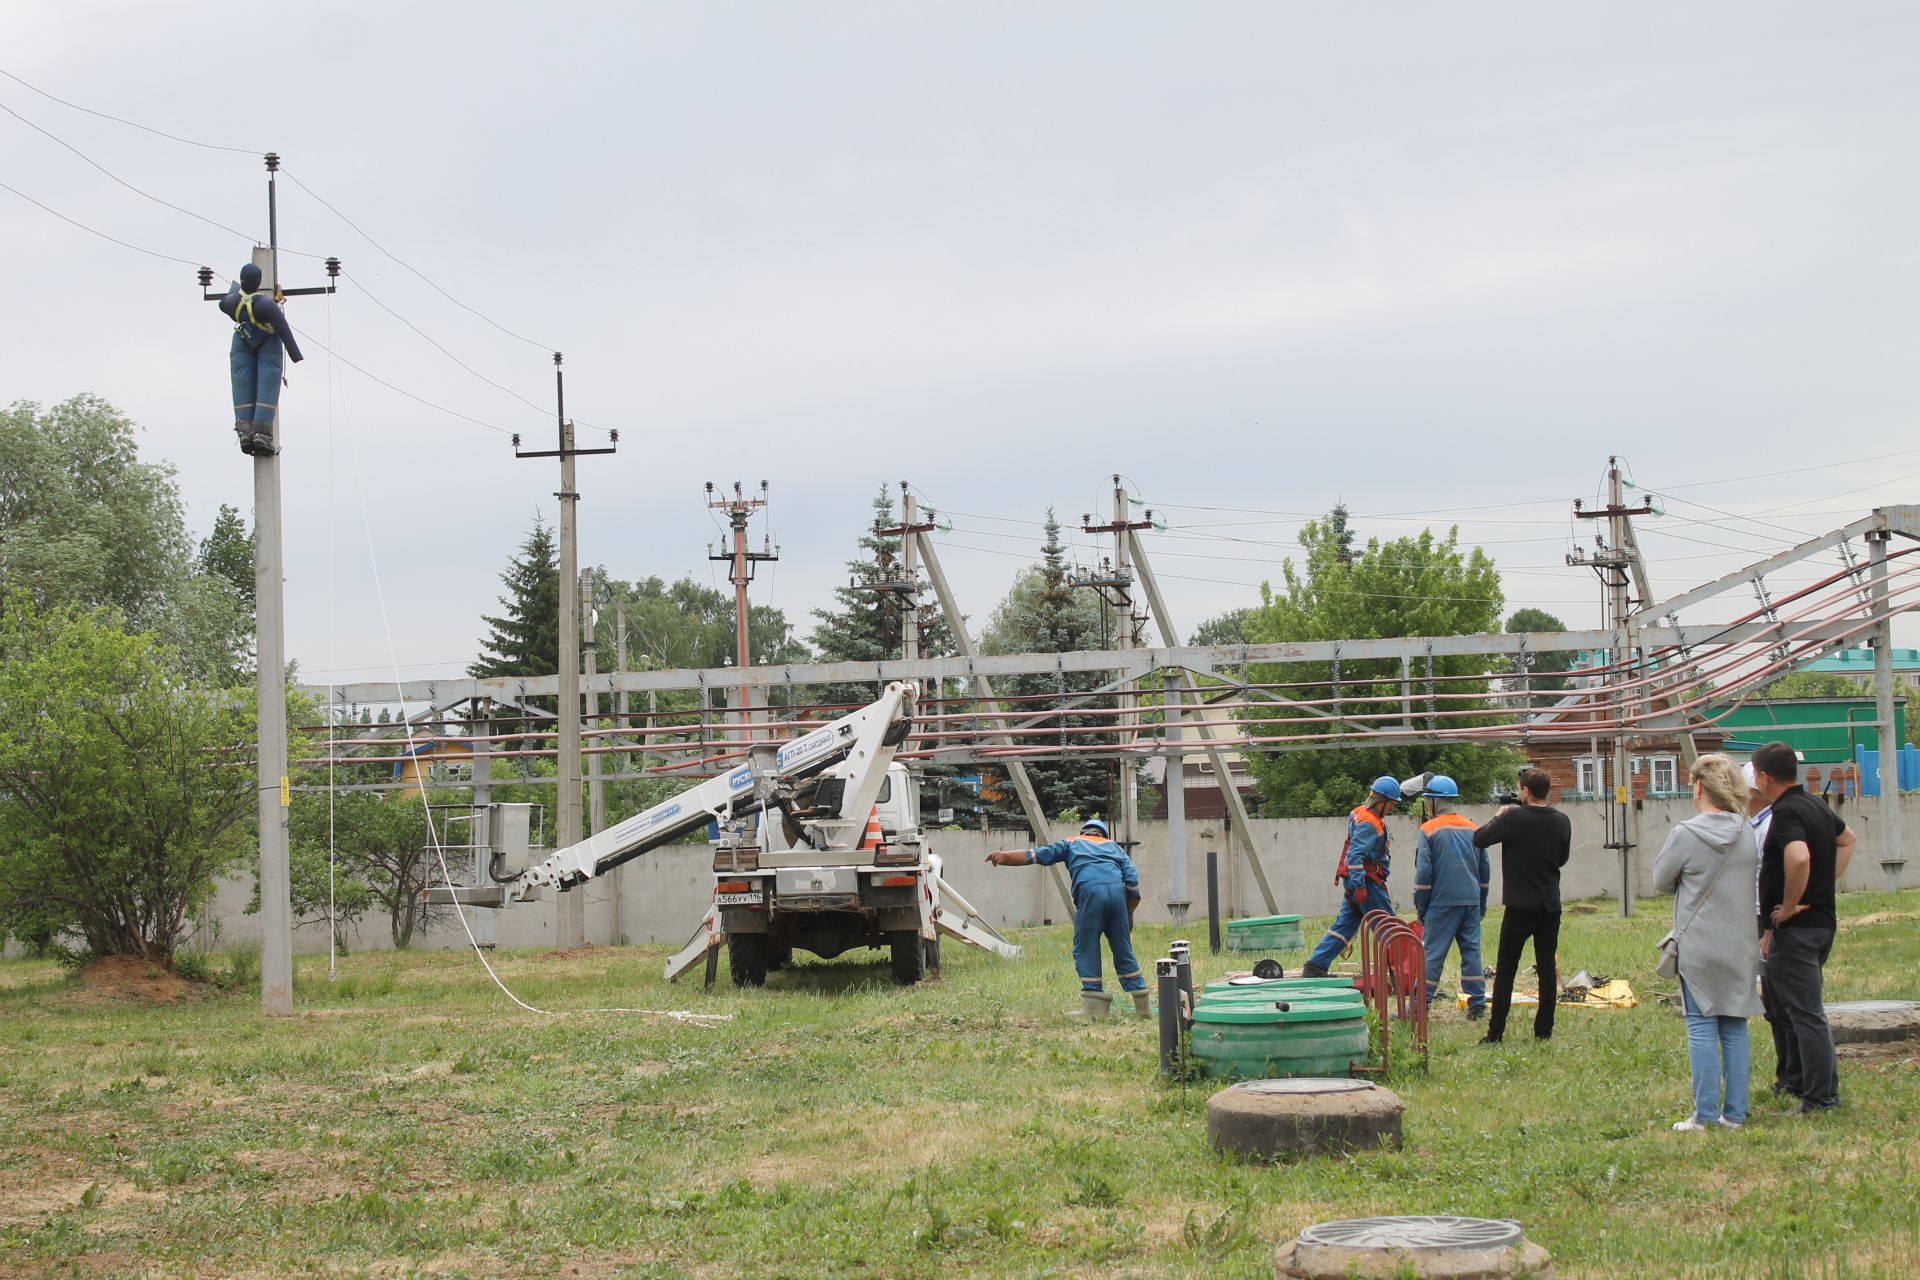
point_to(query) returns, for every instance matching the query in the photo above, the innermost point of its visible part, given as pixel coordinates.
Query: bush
(243, 966)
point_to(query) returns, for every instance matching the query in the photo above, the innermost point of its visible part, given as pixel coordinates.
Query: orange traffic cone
(872, 839)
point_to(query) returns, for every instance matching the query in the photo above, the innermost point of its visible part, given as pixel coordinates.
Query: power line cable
(455, 413)
(409, 266)
(543, 410)
(151, 253)
(146, 195)
(131, 124)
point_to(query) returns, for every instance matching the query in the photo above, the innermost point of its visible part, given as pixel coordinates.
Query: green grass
(411, 1121)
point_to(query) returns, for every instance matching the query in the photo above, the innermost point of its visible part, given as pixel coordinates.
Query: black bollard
(1169, 984)
(1181, 953)
(1213, 902)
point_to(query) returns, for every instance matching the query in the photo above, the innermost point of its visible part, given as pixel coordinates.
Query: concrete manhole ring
(1263, 1120)
(1443, 1248)
(1304, 1085)
(1870, 1021)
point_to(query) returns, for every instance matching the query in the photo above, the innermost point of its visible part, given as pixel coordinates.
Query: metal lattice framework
(1655, 674)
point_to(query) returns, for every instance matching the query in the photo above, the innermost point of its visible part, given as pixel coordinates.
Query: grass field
(409, 1121)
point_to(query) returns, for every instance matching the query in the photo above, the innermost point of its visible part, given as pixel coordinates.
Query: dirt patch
(131, 978)
(1880, 917)
(30, 1204)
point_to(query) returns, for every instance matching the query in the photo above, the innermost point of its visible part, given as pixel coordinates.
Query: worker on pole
(1361, 874)
(1450, 879)
(260, 330)
(1106, 893)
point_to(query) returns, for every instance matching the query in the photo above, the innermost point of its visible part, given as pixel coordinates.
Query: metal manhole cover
(1415, 1232)
(1302, 1086)
(1875, 1006)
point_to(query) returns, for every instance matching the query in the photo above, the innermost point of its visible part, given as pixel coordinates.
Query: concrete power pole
(1118, 578)
(1893, 856)
(741, 564)
(1614, 563)
(570, 911)
(270, 656)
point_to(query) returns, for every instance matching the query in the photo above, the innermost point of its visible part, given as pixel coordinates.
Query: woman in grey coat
(1720, 948)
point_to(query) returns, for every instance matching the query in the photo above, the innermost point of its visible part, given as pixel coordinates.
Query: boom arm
(849, 757)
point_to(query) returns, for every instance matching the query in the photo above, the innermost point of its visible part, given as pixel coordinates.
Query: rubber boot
(1093, 1004)
(1140, 1003)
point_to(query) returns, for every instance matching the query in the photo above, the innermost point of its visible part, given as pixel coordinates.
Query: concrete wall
(663, 895)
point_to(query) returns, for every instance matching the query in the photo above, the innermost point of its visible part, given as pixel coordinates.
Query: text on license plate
(737, 899)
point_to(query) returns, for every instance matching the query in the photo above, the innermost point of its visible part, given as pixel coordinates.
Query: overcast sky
(1255, 257)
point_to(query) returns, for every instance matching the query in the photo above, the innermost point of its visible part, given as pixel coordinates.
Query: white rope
(406, 724)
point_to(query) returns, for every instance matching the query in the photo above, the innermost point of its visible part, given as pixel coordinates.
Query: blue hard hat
(1441, 785)
(1388, 787)
(1094, 824)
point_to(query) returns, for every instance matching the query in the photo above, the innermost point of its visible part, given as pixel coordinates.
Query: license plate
(737, 899)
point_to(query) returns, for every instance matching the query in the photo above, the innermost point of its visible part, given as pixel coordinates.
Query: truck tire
(747, 959)
(778, 958)
(932, 948)
(909, 957)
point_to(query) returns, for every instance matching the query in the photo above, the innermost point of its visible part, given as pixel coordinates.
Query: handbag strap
(1705, 893)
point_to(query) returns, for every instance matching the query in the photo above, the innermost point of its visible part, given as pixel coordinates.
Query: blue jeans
(1100, 911)
(1717, 1050)
(1346, 925)
(256, 380)
(1446, 926)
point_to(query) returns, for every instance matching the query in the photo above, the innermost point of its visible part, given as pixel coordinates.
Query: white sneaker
(1725, 1123)
(1689, 1125)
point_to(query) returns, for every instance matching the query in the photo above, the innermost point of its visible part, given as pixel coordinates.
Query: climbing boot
(1140, 999)
(245, 431)
(263, 446)
(1093, 1004)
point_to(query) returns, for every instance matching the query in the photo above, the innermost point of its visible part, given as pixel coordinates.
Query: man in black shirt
(1806, 851)
(1535, 841)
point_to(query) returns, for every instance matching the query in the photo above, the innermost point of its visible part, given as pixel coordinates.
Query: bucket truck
(816, 847)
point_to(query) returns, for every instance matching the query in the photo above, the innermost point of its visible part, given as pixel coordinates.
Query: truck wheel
(909, 958)
(747, 959)
(931, 947)
(778, 958)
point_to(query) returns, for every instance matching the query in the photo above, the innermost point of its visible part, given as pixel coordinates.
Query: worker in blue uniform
(1361, 874)
(1450, 878)
(1106, 893)
(260, 331)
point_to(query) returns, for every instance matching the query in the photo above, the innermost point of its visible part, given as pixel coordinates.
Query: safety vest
(243, 314)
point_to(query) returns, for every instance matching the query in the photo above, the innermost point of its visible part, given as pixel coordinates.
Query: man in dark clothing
(1535, 841)
(1807, 850)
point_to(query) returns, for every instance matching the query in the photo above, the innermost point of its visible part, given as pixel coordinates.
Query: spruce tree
(525, 641)
(869, 626)
(1046, 613)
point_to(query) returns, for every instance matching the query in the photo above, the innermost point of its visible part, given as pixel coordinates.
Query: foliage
(1548, 667)
(1813, 684)
(868, 626)
(525, 638)
(382, 852)
(1408, 586)
(1045, 613)
(125, 788)
(84, 521)
(1225, 628)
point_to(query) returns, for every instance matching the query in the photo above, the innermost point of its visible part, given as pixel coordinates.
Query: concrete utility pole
(270, 655)
(983, 690)
(1893, 853)
(570, 912)
(1182, 682)
(1614, 563)
(1119, 580)
(741, 564)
